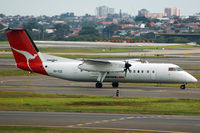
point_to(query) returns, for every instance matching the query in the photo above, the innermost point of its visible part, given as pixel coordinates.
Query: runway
(47, 84)
(127, 122)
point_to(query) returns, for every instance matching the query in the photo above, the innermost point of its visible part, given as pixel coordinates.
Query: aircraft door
(153, 74)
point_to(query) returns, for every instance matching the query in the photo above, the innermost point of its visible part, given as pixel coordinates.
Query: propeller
(127, 67)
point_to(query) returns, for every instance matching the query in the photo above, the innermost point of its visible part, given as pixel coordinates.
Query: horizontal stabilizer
(7, 29)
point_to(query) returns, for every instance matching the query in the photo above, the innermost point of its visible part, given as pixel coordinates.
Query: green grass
(24, 101)
(190, 67)
(12, 72)
(15, 73)
(90, 50)
(6, 56)
(30, 129)
(104, 56)
(4, 42)
(197, 76)
(181, 46)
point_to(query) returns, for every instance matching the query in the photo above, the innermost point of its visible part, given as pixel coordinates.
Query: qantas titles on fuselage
(29, 58)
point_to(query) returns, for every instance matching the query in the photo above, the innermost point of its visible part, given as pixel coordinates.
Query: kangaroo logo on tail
(27, 55)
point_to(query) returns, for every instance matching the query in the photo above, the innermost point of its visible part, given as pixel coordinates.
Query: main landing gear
(99, 85)
(115, 84)
(100, 79)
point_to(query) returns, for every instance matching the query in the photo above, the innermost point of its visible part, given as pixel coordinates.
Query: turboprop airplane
(28, 58)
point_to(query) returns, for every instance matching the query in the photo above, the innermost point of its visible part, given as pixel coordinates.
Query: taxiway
(126, 122)
(47, 84)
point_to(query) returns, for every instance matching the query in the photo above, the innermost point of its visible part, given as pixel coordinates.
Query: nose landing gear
(183, 87)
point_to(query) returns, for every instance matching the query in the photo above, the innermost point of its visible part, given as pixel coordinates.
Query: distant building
(156, 15)
(144, 12)
(59, 22)
(172, 11)
(111, 11)
(103, 11)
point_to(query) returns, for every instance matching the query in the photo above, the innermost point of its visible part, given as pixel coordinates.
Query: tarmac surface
(126, 122)
(48, 84)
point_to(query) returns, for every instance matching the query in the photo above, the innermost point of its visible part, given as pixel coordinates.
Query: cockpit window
(175, 69)
(179, 69)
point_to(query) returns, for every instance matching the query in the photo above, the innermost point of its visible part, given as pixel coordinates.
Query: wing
(94, 65)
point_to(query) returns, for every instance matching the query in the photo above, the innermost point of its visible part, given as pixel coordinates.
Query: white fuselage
(140, 72)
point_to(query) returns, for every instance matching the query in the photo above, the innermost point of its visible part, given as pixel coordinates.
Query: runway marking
(105, 121)
(119, 129)
(139, 130)
(88, 123)
(114, 120)
(102, 121)
(79, 124)
(122, 119)
(130, 117)
(70, 126)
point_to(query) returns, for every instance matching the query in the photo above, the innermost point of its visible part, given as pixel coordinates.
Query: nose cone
(191, 79)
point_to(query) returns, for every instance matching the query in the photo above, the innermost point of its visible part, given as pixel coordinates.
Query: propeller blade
(127, 67)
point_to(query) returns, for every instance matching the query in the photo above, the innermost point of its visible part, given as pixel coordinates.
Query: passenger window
(138, 71)
(153, 71)
(142, 71)
(147, 71)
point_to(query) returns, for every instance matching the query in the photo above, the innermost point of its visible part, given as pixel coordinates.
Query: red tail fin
(25, 51)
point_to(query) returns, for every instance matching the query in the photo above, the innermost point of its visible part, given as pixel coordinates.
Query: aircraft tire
(99, 85)
(115, 84)
(183, 87)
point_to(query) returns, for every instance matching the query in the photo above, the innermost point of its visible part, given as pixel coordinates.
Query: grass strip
(4, 42)
(15, 73)
(31, 129)
(105, 56)
(190, 67)
(90, 50)
(182, 46)
(26, 101)
(7, 56)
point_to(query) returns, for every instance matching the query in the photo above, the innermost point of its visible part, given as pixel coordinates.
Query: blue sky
(81, 7)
